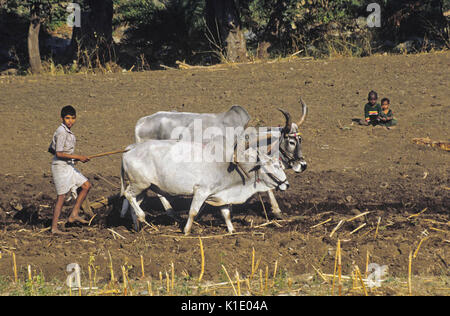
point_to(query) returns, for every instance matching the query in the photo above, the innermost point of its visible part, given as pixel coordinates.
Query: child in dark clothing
(386, 116)
(372, 109)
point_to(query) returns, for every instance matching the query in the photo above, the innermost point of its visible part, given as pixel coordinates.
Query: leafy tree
(197, 31)
(290, 25)
(425, 19)
(38, 14)
(92, 43)
(163, 31)
(224, 29)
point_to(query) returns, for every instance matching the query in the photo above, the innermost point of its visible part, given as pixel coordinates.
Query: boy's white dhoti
(66, 177)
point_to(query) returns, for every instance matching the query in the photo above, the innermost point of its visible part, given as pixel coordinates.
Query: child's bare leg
(74, 217)
(57, 213)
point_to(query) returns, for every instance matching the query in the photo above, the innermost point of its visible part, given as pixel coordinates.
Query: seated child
(386, 116)
(372, 109)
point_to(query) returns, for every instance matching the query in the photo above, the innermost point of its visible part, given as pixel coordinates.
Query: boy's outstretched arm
(63, 155)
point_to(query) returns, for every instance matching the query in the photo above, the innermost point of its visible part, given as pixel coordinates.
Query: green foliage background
(163, 31)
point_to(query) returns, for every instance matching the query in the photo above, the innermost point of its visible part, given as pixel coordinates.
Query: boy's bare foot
(56, 231)
(73, 219)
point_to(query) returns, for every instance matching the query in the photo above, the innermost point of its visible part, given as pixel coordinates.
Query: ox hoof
(136, 227)
(278, 215)
(186, 231)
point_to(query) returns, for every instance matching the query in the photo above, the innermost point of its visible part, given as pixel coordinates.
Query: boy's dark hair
(372, 95)
(384, 100)
(68, 110)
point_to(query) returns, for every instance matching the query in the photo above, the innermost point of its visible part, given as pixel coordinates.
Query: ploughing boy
(65, 176)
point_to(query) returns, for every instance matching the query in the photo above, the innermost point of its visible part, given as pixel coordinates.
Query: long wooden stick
(108, 153)
(264, 208)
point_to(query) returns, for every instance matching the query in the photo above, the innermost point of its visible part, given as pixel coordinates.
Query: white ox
(162, 125)
(167, 168)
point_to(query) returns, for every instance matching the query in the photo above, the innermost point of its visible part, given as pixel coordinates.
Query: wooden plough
(88, 206)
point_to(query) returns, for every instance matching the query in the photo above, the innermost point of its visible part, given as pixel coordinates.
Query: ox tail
(122, 171)
(125, 203)
(122, 179)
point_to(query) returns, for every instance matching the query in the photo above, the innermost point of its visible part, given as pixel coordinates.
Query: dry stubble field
(351, 170)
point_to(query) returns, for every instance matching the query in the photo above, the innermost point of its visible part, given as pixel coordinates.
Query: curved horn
(288, 125)
(304, 112)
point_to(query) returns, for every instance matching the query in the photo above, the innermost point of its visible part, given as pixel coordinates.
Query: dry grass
(259, 276)
(265, 281)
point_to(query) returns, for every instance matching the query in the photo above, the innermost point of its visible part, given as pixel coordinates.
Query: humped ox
(167, 168)
(162, 125)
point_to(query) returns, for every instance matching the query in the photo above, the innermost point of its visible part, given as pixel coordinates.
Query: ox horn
(288, 125)
(304, 112)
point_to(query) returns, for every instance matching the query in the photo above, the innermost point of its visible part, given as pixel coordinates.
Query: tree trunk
(224, 26)
(33, 40)
(236, 45)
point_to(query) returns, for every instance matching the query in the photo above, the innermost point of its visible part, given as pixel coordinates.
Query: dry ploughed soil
(352, 169)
